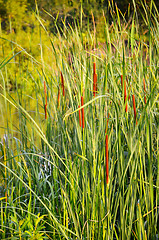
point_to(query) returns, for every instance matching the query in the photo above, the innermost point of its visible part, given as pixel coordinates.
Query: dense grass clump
(81, 162)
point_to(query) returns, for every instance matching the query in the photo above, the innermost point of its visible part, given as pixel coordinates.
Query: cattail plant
(106, 155)
(134, 107)
(125, 95)
(62, 84)
(144, 90)
(82, 112)
(121, 80)
(79, 116)
(45, 93)
(94, 80)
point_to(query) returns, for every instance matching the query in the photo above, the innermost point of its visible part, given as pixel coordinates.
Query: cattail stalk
(79, 116)
(45, 93)
(121, 80)
(45, 111)
(96, 83)
(106, 154)
(82, 110)
(94, 68)
(125, 95)
(144, 90)
(134, 107)
(62, 84)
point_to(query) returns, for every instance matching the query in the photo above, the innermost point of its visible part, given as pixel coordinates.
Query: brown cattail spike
(121, 80)
(79, 116)
(94, 68)
(145, 99)
(134, 107)
(45, 111)
(96, 83)
(82, 110)
(106, 154)
(62, 84)
(125, 95)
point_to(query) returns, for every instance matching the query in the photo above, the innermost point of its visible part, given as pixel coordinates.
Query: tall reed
(82, 103)
(144, 90)
(107, 160)
(79, 114)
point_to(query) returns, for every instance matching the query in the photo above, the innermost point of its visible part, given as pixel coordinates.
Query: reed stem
(82, 103)
(107, 164)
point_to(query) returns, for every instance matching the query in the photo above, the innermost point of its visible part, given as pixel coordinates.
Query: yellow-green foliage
(16, 10)
(22, 32)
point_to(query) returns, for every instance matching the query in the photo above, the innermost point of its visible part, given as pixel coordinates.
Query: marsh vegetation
(79, 128)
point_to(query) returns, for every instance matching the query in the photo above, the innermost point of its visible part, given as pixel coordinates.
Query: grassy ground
(84, 163)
